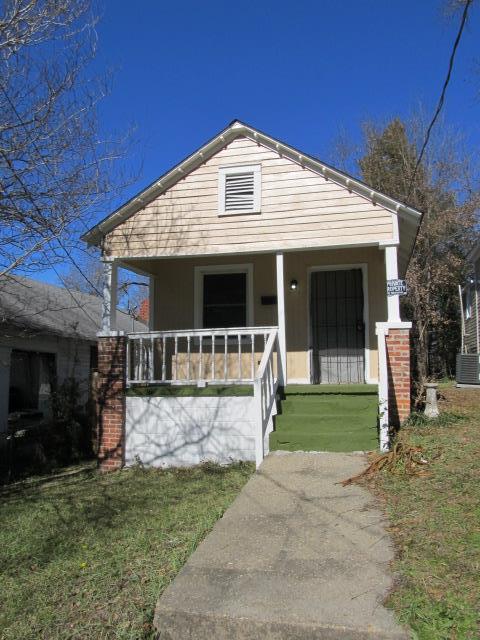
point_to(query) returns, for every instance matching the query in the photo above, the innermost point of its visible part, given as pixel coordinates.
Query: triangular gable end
(235, 130)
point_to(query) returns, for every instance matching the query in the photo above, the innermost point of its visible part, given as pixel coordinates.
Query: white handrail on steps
(265, 391)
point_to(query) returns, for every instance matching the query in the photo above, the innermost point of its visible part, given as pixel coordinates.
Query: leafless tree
(86, 275)
(54, 169)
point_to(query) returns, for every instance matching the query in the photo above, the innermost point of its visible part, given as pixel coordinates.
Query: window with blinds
(239, 190)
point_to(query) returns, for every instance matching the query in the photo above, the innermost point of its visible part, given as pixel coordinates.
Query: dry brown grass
(434, 510)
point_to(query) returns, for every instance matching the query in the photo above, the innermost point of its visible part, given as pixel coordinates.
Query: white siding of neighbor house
(299, 208)
(472, 324)
(184, 431)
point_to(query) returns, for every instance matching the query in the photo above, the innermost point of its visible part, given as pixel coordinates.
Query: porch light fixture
(293, 285)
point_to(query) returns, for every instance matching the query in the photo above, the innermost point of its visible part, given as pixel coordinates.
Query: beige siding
(298, 209)
(174, 295)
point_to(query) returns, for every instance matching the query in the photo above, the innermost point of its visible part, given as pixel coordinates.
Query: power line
(442, 95)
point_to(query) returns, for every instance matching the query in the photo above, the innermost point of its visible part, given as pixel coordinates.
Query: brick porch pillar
(399, 375)
(111, 402)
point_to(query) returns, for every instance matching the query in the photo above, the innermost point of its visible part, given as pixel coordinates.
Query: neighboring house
(47, 334)
(266, 266)
(468, 360)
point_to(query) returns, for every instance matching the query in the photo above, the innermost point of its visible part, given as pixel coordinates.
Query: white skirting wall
(184, 431)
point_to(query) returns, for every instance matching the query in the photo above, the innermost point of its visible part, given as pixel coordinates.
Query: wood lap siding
(298, 208)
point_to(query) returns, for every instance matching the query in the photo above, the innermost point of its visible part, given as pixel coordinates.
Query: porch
(234, 392)
(317, 318)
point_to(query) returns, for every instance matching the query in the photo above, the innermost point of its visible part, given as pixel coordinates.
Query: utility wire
(442, 95)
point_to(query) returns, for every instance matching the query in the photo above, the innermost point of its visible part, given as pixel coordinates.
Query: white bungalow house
(267, 268)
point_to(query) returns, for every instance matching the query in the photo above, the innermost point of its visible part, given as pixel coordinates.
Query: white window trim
(256, 169)
(369, 379)
(221, 268)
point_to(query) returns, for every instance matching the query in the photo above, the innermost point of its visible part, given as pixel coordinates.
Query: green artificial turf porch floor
(327, 418)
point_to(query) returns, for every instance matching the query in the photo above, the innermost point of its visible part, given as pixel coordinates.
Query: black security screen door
(224, 300)
(337, 327)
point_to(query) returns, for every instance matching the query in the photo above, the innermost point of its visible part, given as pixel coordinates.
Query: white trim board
(200, 271)
(361, 244)
(366, 312)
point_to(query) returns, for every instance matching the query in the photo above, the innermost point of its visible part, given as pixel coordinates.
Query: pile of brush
(402, 457)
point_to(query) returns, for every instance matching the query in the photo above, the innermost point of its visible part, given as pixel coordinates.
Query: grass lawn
(87, 556)
(327, 418)
(436, 523)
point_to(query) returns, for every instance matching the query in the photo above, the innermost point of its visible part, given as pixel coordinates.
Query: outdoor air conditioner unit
(468, 368)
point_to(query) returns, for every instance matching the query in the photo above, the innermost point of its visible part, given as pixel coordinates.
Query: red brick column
(399, 375)
(111, 402)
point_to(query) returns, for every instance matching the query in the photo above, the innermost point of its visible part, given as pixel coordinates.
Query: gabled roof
(34, 306)
(213, 146)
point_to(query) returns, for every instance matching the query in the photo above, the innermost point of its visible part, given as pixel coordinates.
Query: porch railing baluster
(252, 370)
(164, 359)
(152, 360)
(147, 355)
(239, 337)
(127, 357)
(176, 359)
(142, 362)
(225, 358)
(213, 356)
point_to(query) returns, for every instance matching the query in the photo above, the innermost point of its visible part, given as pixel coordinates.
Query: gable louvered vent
(239, 190)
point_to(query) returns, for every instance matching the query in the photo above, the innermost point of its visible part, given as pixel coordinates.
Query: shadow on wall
(186, 430)
(168, 430)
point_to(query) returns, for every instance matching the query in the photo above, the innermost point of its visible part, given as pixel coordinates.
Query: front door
(337, 327)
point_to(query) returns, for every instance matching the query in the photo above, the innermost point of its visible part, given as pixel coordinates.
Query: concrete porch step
(297, 556)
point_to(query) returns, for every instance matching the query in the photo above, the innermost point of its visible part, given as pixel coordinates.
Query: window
(239, 190)
(223, 296)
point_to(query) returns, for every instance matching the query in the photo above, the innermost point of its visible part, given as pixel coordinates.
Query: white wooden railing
(213, 356)
(196, 356)
(265, 392)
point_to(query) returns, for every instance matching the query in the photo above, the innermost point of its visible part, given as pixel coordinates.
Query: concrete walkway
(296, 556)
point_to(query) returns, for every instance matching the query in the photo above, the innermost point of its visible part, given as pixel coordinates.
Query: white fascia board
(94, 235)
(329, 173)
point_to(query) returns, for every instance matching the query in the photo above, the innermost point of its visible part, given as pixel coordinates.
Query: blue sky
(301, 71)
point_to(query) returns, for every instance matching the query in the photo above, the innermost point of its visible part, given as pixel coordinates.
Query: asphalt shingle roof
(45, 308)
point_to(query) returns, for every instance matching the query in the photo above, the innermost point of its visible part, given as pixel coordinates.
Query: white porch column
(151, 302)
(110, 286)
(282, 373)
(5, 354)
(381, 331)
(391, 269)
